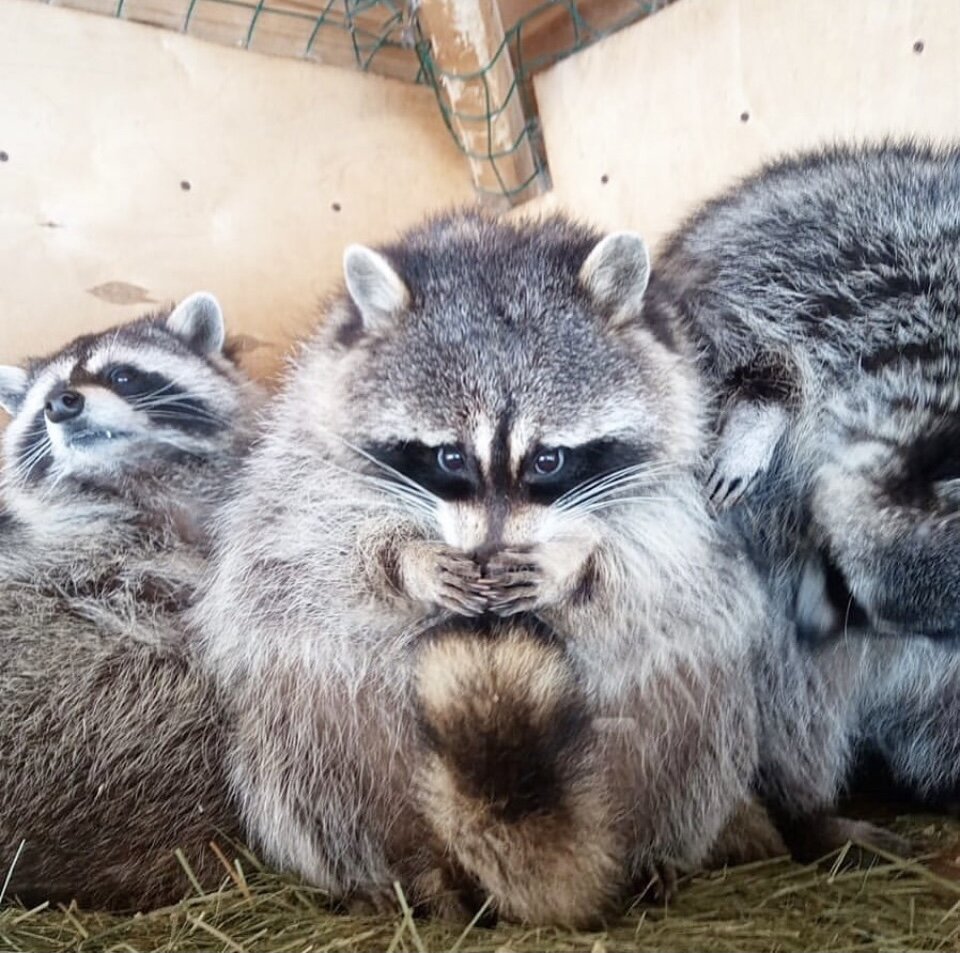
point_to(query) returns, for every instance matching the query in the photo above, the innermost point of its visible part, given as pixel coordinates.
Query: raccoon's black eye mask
(453, 474)
(163, 401)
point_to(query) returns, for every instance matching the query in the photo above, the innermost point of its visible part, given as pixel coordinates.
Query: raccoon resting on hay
(118, 449)
(825, 291)
(487, 423)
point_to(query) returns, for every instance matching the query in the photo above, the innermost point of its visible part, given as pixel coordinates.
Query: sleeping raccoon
(824, 291)
(120, 446)
(487, 423)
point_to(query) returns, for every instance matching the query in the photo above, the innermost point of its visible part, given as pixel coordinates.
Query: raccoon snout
(63, 404)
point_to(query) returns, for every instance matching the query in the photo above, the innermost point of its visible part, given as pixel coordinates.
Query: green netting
(384, 36)
(573, 25)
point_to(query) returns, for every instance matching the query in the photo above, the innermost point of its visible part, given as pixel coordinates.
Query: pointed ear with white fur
(198, 320)
(13, 388)
(376, 289)
(615, 275)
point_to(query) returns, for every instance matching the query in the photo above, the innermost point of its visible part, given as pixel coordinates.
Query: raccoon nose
(63, 405)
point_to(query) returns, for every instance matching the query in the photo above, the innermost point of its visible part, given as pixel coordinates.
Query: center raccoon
(488, 422)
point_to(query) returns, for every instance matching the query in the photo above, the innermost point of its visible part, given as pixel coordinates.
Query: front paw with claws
(526, 578)
(439, 576)
(514, 581)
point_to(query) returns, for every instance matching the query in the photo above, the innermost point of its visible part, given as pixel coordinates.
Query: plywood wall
(137, 165)
(647, 123)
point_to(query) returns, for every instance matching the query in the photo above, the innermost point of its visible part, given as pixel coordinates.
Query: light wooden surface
(682, 104)
(102, 122)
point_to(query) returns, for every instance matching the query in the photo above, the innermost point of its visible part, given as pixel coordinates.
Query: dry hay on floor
(775, 905)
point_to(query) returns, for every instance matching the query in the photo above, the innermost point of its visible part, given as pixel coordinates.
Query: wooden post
(477, 78)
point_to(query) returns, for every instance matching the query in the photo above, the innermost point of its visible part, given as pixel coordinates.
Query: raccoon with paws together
(489, 422)
(119, 448)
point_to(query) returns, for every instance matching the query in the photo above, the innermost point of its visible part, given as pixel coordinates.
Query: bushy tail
(508, 782)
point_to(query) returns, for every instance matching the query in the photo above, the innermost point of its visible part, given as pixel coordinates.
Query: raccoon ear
(376, 289)
(615, 274)
(198, 320)
(13, 388)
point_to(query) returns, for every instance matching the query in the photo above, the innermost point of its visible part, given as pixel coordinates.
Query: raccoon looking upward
(488, 421)
(119, 446)
(110, 735)
(824, 291)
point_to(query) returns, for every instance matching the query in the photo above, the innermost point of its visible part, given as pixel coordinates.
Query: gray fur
(823, 291)
(329, 568)
(110, 734)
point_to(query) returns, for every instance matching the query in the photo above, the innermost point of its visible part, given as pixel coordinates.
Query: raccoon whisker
(186, 413)
(182, 403)
(608, 504)
(606, 485)
(173, 400)
(27, 465)
(635, 472)
(152, 394)
(399, 492)
(394, 473)
(412, 495)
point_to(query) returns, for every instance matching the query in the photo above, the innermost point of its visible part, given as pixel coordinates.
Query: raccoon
(488, 422)
(119, 448)
(823, 293)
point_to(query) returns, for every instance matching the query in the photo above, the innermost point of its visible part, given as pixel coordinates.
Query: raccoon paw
(524, 578)
(657, 882)
(749, 436)
(825, 834)
(440, 576)
(513, 580)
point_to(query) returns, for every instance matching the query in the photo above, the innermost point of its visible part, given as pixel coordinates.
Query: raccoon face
(506, 380)
(113, 403)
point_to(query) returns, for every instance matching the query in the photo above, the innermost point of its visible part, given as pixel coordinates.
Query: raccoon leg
(900, 563)
(508, 783)
(749, 435)
(810, 704)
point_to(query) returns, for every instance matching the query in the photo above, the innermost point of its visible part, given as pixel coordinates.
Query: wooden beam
(477, 80)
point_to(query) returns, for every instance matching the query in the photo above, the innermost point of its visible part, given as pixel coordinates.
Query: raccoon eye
(451, 459)
(548, 462)
(124, 378)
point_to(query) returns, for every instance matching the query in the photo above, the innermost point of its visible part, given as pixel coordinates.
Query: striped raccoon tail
(508, 782)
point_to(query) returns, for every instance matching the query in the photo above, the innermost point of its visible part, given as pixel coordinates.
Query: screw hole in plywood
(744, 116)
(604, 179)
(185, 185)
(918, 46)
(4, 157)
(335, 206)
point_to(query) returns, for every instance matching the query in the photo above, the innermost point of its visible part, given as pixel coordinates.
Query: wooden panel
(642, 126)
(142, 165)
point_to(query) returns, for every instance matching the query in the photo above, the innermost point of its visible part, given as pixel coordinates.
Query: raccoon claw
(725, 490)
(437, 575)
(748, 440)
(521, 601)
(657, 883)
(513, 581)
